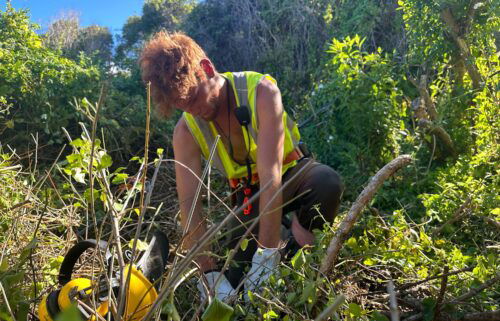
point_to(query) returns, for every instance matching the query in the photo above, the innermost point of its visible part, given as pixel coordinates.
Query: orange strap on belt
(295, 154)
(248, 192)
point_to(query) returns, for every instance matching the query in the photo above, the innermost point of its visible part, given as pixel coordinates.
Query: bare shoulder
(183, 138)
(267, 89)
(181, 129)
(268, 98)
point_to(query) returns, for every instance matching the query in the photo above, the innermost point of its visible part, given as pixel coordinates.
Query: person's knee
(330, 185)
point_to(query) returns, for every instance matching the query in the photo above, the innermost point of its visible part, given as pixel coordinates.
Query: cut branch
(355, 211)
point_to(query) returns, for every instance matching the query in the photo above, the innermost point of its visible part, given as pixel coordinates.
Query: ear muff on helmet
(68, 264)
(141, 292)
(52, 304)
(58, 300)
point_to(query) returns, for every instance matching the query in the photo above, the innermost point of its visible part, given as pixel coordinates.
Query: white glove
(223, 289)
(264, 262)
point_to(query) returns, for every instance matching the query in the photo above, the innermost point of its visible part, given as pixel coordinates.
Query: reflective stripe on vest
(245, 87)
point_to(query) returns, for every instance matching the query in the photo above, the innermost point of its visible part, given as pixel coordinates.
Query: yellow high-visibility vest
(204, 132)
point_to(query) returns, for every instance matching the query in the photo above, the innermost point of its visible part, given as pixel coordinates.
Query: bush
(38, 83)
(356, 111)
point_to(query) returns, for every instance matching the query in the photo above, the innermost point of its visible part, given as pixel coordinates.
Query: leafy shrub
(356, 111)
(38, 83)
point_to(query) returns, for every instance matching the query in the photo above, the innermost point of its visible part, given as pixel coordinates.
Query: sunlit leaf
(217, 311)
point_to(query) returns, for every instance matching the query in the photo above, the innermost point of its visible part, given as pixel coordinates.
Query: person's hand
(264, 262)
(222, 290)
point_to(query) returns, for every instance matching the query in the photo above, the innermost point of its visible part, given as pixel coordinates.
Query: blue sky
(108, 13)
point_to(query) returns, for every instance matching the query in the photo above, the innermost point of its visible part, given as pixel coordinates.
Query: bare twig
(475, 291)
(326, 313)
(409, 285)
(142, 200)
(439, 301)
(355, 211)
(393, 303)
(6, 301)
(459, 213)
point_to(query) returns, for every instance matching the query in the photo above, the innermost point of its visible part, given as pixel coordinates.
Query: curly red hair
(171, 62)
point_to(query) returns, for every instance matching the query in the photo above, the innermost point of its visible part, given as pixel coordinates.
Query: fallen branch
(355, 211)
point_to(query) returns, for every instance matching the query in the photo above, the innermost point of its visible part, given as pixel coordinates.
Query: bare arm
(270, 142)
(187, 153)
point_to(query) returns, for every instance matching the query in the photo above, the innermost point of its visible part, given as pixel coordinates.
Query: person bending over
(258, 149)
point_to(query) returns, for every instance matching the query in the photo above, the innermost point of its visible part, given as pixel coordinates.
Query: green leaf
(369, 262)
(298, 259)
(270, 315)
(119, 178)
(26, 251)
(352, 243)
(70, 314)
(244, 245)
(79, 176)
(73, 158)
(217, 311)
(355, 310)
(309, 293)
(377, 316)
(429, 305)
(77, 143)
(4, 265)
(106, 161)
(141, 245)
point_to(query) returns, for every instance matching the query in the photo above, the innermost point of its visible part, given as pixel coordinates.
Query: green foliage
(358, 105)
(358, 116)
(217, 311)
(11, 277)
(283, 38)
(13, 268)
(378, 22)
(79, 168)
(70, 314)
(156, 15)
(38, 83)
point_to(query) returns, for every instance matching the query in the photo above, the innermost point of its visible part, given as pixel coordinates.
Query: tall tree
(67, 35)
(156, 15)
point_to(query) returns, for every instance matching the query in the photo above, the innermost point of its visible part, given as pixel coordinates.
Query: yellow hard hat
(140, 295)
